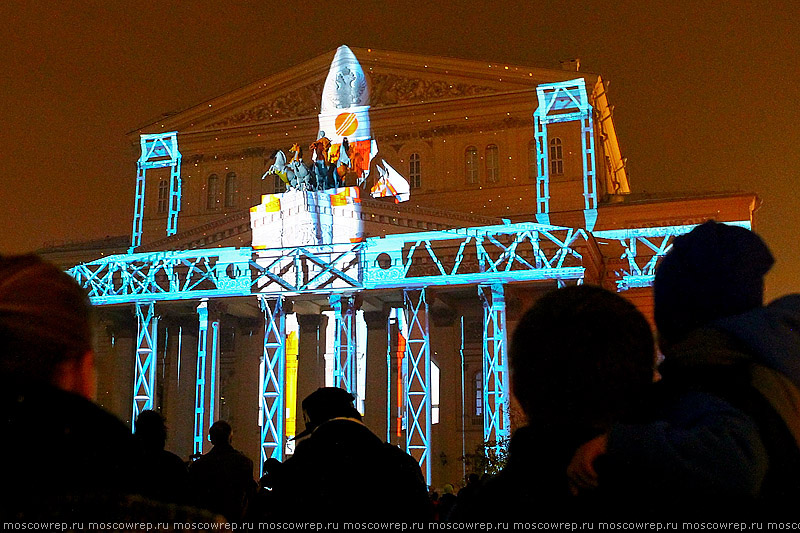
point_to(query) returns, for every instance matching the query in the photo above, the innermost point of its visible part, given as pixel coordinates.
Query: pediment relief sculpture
(302, 102)
(387, 89)
(390, 89)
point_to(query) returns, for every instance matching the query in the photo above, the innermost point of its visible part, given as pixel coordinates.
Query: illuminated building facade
(246, 298)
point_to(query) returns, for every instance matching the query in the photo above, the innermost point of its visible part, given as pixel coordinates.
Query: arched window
(163, 196)
(212, 192)
(471, 164)
(230, 189)
(556, 157)
(413, 171)
(492, 164)
(533, 162)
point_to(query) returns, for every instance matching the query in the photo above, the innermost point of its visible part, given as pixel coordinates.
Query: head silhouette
(714, 271)
(579, 357)
(220, 433)
(45, 325)
(151, 431)
(327, 403)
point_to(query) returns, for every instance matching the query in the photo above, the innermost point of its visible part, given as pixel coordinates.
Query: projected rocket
(344, 114)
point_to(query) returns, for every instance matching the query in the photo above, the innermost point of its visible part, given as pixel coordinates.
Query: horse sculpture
(301, 177)
(293, 173)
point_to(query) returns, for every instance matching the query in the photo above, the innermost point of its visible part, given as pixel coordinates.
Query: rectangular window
(556, 157)
(492, 164)
(471, 165)
(163, 196)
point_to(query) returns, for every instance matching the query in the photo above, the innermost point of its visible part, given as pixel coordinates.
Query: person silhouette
(162, 475)
(722, 433)
(51, 429)
(581, 358)
(222, 479)
(339, 458)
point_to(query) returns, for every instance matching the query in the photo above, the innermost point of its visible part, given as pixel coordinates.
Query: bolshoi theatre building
(395, 262)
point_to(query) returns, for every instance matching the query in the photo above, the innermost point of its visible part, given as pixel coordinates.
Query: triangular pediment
(394, 78)
(301, 102)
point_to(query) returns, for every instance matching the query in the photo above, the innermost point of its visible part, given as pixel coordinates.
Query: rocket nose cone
(344, 55)
(346, 85)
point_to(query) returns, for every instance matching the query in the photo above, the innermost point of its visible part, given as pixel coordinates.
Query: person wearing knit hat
(723, 425)
(714, 271)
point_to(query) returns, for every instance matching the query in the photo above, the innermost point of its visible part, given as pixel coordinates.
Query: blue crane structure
(486, 257)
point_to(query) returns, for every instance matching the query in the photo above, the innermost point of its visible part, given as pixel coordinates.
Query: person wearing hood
(723, 428)
(342, 470)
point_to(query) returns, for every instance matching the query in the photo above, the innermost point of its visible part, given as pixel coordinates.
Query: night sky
(706, 93)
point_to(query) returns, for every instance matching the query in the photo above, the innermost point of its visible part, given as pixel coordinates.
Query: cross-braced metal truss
(418, 371)
(272, 378)
(158, 151)
(496, 390)
(642, 248)
(307, 269)
(344, 344)
(161, 276)
(146, 354)
(479, 255)
(486, 254)
(564, 102)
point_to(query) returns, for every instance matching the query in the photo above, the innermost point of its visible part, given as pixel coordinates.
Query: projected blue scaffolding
(417, 363)
(564, 101)
(158, 151)
(146, 354)
(496, 388)
(272, 377)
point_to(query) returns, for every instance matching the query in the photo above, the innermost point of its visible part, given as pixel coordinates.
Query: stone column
(376, 393)
(310, 359)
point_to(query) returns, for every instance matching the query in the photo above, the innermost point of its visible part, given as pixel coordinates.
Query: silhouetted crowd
(706, 426)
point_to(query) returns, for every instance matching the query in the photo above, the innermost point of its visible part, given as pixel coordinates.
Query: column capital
(309, 321)
(377, 319)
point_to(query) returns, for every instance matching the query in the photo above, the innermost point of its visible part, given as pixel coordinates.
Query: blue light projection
(564, 102)
(486, 255)
(344, 343)
(417, 363)
(272, 379)
(496, 388)
(200, 381)
(657, 242)
(145, 370)
(158, 151)
(166, 276)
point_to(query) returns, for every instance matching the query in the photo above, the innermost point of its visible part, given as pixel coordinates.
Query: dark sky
(705, 92)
